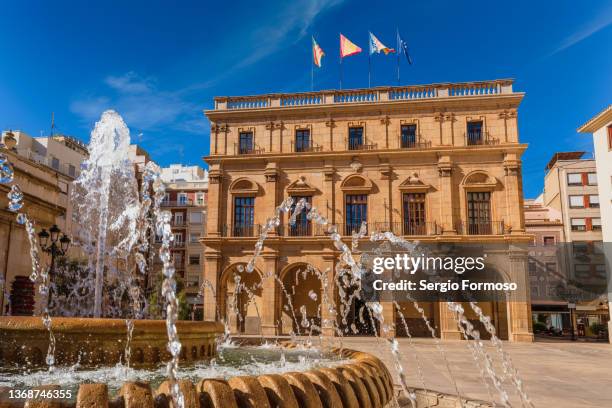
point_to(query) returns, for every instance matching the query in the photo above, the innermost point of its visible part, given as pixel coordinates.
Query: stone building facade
(437, 163)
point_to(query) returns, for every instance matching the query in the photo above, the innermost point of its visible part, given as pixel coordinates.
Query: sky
(159, 64)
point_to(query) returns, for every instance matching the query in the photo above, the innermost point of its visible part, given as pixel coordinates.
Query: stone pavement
(555, 374)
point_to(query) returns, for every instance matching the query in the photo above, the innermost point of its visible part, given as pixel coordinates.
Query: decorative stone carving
(356, 165)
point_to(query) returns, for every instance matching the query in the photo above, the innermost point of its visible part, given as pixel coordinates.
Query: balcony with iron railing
(480, 228)
(481, 138)
(308, 147)
(177, 203)
(400, 228)
(178, 223)
(371, 95)
(247, 150)
(413, 144)
(364, 144)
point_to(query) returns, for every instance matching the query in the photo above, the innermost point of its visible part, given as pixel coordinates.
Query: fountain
(110, 348)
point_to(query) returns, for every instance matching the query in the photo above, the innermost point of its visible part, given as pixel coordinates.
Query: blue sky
(159, 66)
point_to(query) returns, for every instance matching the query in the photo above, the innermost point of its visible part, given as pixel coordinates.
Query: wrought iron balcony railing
(305, 147)
(246, 150)
(241, 230)
(481, 228)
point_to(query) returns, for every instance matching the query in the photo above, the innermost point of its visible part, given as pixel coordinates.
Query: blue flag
(402, 48)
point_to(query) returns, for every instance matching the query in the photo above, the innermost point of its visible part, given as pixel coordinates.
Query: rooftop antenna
(52, 123)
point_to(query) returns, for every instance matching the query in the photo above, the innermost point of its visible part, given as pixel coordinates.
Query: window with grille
(474, 133)
(302, 140)
(302, 224)
(414, 213)
(356, 212)
(479, 212)
(409, 137)
(355, 138)
(245, 142)
(194, 259)
(244, 216)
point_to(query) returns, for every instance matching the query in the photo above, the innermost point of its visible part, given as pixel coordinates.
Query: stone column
(519, 304)
(448, 324)
(270, 194)
(329, 263)
(269, 296)
(211, 273)
(515, 218)
(328, 209)
(386, 180)
(215, 202)
(445, 173)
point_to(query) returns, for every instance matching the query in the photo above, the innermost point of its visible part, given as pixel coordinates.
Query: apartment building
(46, 202)
(601, 128)
(186, 189)
(437, 163)
(571, 187)
(59, 152)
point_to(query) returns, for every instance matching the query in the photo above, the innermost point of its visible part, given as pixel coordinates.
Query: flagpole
(340, 71)
(398, 55)
(312, 71)
(369, 70)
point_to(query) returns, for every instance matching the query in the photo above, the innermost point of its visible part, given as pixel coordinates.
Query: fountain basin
(352, 379)
(24, 341)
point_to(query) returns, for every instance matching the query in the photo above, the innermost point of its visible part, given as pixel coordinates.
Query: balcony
(178, 224)
(177, 245)
(177, 203)
(360, 145)
(247, 150)
(479, 139)
(480, 228)
(406, 144)
(305, 147)
(371, 95)
(246, 231)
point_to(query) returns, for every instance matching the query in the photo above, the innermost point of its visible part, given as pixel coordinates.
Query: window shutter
(585, 200)
(589, 224)
(585, 179)
(610, 137)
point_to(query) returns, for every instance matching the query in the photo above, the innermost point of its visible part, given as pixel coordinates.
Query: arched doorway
(241, 299)
(300, 302)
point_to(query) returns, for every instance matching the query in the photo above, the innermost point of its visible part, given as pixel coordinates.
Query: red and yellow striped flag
(317, 53)
(347, 48)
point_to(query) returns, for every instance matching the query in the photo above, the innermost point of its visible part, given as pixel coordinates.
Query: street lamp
(51, 243)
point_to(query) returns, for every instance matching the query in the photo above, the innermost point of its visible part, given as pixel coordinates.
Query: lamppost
(49, 244)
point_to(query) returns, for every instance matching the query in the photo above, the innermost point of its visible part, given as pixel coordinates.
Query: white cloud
(603, 20)
(141, 104)
(295, 21)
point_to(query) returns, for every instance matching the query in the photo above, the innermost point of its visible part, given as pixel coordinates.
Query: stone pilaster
(327, 318)
(211, 273)
(519, 303)
(515, 218)
(445, 173)
(448, 324)
(271, 193)
(215, 195)
(270, 302)
(328, 208)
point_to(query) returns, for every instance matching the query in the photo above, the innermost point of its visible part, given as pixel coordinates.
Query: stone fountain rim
(102, 325)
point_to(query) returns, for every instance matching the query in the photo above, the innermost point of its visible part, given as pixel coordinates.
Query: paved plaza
(556, 374)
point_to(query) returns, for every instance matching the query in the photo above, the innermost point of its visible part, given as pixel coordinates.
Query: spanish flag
(347, 48)
(317, 53)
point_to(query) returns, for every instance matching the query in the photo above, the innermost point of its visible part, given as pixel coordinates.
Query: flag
(376, 46)
(317, 53)
(347, 48)
(403, 48)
